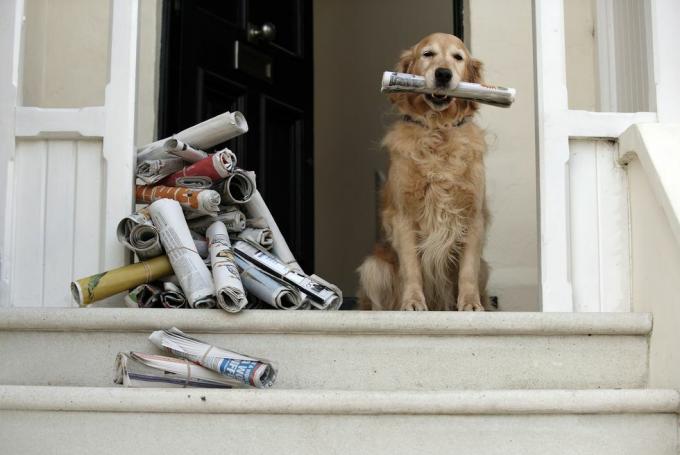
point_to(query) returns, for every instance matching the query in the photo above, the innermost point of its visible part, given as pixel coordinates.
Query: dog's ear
(474, 71)
(406, 60)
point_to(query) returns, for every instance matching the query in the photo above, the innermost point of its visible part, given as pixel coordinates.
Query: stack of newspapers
(198, 364)
(203, 235)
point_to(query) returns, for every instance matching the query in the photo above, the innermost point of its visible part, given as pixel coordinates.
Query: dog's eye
(428, 54)
(458, 56)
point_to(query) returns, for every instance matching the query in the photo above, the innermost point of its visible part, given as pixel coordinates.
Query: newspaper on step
(172, 296)
(211, 132)
(144, 296)
(243, 369)
(153, 171)
(261, 236)
(204, 173)
(137, 232)
(233, 219)
(323, 295)
(402, 82)
(193, 275)
(238, 187)
(269, 289)
(228, 287)
(138, 369)
(206, 202)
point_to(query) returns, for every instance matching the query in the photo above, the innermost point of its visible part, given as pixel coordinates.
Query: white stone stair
(345, 350)
(349, 383)
(98, 420)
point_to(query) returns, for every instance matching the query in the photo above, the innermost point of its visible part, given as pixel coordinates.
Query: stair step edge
(321, 322)
(240, 401)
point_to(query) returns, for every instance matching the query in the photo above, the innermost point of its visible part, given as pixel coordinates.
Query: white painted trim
(339, 402)
(656, 146)
(324, 322)
(665, 20)
(553, 154)
(119, 129)
(11, 21)
(60, 123)
(604, 125)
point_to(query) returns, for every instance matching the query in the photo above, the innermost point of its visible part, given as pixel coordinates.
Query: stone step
(344, 350)
(103, 420)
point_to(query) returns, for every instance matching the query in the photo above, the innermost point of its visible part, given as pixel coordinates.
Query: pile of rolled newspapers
(204, 237)
(402, 82)
(198, 364)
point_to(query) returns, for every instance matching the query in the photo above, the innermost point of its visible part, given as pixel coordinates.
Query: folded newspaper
(401, 82)
(243, 369)
(137, 369)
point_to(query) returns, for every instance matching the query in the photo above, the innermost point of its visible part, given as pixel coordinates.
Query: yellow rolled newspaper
(105, 284)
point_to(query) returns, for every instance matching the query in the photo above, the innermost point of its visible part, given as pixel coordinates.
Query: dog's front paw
(469, 302)
(413, 301)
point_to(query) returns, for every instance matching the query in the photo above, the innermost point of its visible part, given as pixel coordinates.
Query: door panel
(210, 65)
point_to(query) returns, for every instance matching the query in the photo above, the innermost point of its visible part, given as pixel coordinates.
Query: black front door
(254, 56)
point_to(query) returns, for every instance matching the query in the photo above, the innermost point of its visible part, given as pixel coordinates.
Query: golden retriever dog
(433, 212)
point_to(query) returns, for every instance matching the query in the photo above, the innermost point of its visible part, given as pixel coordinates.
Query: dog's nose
(442, 76)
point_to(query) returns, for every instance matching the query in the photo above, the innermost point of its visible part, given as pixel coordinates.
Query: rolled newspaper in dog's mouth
(402, 82)
(238, 188)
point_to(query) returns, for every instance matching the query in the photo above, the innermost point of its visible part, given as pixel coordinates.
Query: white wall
(354, 42)
(501, 36)
(656, 277)
(66, 53)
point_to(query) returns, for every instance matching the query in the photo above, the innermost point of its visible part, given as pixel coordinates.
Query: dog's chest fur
(437, 175)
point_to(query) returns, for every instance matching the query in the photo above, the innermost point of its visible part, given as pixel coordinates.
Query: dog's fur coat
(434, 213)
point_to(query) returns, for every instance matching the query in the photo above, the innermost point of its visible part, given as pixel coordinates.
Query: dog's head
(444, 61)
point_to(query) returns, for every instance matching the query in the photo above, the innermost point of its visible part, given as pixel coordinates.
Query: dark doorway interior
(254, 56)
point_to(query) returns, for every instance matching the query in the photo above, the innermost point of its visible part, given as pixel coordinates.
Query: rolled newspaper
(172, 296)
(137, 232)
(153, 171)
(204, 173)
(402, 82)
(269, 289)
(203, 135)
(256, 208)
(144, 296)
(228, 287)
(261, 236)
(323, 295)
(203, 201)
(137, 369)
(238, 187)
(233, 219)
(105, 284)
(246, 370)
(193, 275)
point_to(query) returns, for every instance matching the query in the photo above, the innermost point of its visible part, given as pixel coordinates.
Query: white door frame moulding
(114, 123)
(556, 124)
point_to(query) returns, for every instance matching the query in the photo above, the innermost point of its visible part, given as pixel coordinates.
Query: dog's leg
(469, 275)
(410, 275)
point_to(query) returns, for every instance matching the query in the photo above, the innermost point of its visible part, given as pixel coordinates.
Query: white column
(553, 154)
